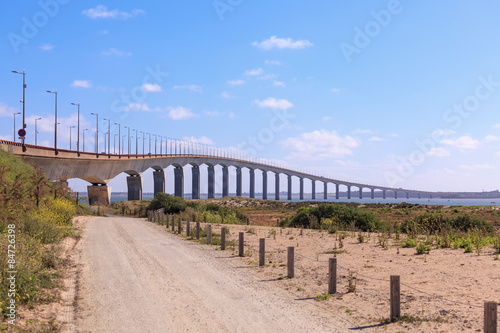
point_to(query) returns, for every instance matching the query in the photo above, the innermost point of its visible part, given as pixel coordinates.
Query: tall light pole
(15, 113)
(119, 139)
(70, 128)
(149, 143)
(86, 129)
(161, 145)
(109, 137)
(78, 130)
(136, 143)
(24, 104)
(143, 137)
(114, 144)
(96, 133)
(128, 150)
(156, 139)
(55, 121)
(36, 129)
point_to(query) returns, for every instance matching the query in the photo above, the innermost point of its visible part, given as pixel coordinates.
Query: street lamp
(78, 130)
(70, 128)
(109, 137)
(119, 141)
(136, 143)
(96, 133)
(149, 144)
(156, 139)
(24, 104)
(114, 144)
(55, 121)
(15, 113)
(128, 140)
(36, 128)
(84, 138)
(143, 137)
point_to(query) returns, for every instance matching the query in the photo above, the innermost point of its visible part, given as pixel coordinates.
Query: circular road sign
(22, 132)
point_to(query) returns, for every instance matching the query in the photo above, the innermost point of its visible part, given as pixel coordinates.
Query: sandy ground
(138, 277)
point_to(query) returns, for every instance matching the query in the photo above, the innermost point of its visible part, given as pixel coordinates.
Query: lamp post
(143, 137)
(55, 121)
(36, 129)
(78, 130)
(114, 144)
(119, 141)
(70, 128)
(84, 138)
(128, 150)
(109, 137)
(161, 145)
(23, 73)
(149, 144)
(156, 139)
(96, 133)
(15, 113)
(136, 143)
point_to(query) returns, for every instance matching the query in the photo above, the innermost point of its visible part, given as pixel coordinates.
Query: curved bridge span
(99, 169)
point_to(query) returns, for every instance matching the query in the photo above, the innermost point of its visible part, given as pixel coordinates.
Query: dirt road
(137, 277)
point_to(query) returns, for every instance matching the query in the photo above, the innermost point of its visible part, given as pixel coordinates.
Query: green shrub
(423, 248)
(410, 242)
(171, 204)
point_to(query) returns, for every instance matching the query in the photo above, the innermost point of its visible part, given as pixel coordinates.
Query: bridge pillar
(407, 195)
(264, 185)
(373, 193)
(383, 194)
(238, 182)
(159, 181)
(360, 192)
(301, 196)
(313, 190)
(99, 194)
(225, 181)
(134, 184)
(325, 190)
(252, 183)
(195, 171)
(419, 195)
(277, 186)
(289, 197)
(337, 191)
(211, 182)
(395, 194)
(349, 192)
(179, 182)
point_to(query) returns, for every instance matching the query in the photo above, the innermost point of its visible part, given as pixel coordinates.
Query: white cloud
(104, 32)
(320, 144)
(180, 113)
(438, 152)
(267, 77)
(254, 72)
(203, 140)
(7, 111)
(496, 126)
(137, 107)
(279, 84)
(464, 142)
(491, 138)
(273, 62)
(226, 95)
(376, 139)
(232, 115)
(273, 103)
(102, 12)
(151, 87)
(235, 82)
(476, 167)
(192, 87)
(335, 90)
(212, 113)
(46, 47)
(327, 118)
(115, 52)
(82, 84)
(282, 43)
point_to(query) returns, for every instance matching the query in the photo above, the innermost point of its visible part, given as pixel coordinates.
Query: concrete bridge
(100, 169)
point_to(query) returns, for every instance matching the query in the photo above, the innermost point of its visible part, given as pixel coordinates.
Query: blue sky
(398, 93)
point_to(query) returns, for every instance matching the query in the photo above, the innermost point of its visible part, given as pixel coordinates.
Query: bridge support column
(277, 186)
(301, 195)
(419, 196)
(99, 194)
(383, 194)
(360, 192)
(211, 182)
(225, 181)
(252, 183)
(195, 170)
(264, 185)
(238, 182)
(337, 191)
(289, 197)
(395, 194)
(179, 182)
(325, 190)
(134, 183)
(349, 192)
(159, 181)
(373, 193)
(407, 195)
(313, 190)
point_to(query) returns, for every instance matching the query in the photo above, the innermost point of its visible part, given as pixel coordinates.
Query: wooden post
(209, 234)
(149, 215)
(332, 276)
(162, 218)
(395, 297)
(490, 317)
(168, 221)
(179, 229)
(155, 213)
(262, 251)
(188, 228)
(241, 244)
(197, 230)
(290, 262)
(223, 239)
(173, 223)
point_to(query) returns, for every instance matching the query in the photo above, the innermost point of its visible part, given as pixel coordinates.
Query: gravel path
(137, 277)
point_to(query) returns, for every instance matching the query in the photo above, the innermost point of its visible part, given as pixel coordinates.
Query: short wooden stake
(223, 239)
(262, 251)
(209, 234)
(241, 244)
(290, 262)
(188, 228)
(395, 297)
(179, 229)
(490, 317)
(197, 230)
(168, 221)
(173, 223)
(332, 276)
(162, 218)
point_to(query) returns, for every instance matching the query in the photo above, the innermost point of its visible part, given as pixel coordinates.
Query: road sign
(22, 133)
